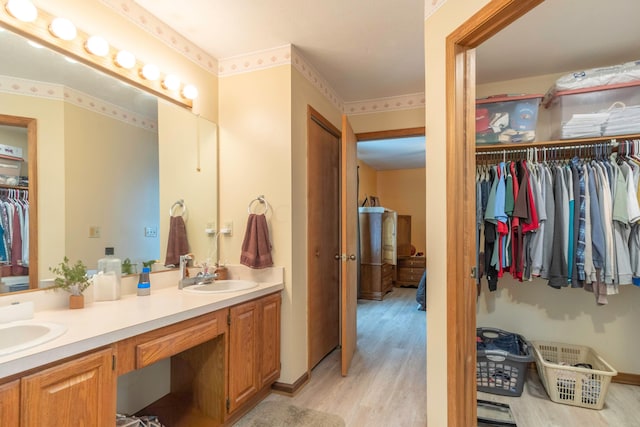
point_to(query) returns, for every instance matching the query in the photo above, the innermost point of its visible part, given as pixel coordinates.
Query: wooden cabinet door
(389, 239)
(10, 404)
(404, 235)
(269, 350)
(81, 392)
(243, 342)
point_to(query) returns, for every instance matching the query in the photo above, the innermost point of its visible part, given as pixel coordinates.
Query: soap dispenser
(107, 280)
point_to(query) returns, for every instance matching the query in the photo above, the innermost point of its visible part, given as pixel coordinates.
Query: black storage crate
(502, 362)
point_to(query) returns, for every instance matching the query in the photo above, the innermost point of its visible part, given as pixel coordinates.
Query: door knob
(352, 257)
(337, 257)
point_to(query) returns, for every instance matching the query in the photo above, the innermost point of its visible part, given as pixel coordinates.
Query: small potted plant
(73, 279)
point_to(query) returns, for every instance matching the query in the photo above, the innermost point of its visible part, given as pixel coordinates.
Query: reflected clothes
(14, 220)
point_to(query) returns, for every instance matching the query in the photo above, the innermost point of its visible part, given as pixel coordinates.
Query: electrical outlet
(227, 228)
(94, 231)
(150, 232)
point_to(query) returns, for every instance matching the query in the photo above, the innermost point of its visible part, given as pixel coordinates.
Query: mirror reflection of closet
(19, 132)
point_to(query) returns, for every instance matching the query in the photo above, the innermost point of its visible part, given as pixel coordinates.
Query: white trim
(254, 61)
(392, 103)
(315, 78)
(17, 86)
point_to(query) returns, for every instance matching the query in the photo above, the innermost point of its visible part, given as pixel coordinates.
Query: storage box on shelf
(502, 360)
(573, 374)
(505, 118)
(594, 111)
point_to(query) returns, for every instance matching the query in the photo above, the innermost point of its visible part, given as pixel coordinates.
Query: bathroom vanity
(224, 352)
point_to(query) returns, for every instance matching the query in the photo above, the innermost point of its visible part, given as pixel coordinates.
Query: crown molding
(160, 30)
(431, 6)
(17, 86)
(392, 103)
(254, 61)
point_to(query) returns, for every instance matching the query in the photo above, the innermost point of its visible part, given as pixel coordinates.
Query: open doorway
(391, 184)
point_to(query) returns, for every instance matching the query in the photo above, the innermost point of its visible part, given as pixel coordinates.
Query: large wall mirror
(96, 183)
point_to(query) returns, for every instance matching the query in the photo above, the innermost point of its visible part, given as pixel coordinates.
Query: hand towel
(256, 247)
(177, 243)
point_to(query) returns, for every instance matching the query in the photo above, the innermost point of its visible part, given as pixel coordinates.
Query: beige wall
(438, 26)
(256, 159)
(404, 191)
(368, 182)
(539, 312)
(387, 120)
(111, 178)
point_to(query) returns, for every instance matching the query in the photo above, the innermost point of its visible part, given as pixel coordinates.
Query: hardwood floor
(387, 382)
(386, 385)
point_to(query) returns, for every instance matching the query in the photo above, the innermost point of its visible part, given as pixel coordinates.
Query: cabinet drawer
(418, 262)
(410, 275)
(168, 345)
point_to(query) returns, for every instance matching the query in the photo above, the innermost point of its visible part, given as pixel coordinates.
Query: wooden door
(81, 392)
(243, 342)
(389, 239)
(404, 235)
(269, 351)
(349, 244)
(10, 404)
(323, 269)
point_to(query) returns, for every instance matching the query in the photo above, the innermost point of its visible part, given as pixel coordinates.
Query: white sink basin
(220, 286)
(21, 335)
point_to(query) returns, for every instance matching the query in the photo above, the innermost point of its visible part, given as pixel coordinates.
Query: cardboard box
(506, 118)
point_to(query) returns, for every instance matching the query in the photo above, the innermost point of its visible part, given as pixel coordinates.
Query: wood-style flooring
(386, 385)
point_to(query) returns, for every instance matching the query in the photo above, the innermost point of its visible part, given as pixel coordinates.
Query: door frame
(460, 176)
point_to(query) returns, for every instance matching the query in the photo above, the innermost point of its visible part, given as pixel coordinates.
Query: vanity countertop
(105, 322)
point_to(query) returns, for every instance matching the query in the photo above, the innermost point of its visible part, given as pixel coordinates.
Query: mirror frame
(32, 137)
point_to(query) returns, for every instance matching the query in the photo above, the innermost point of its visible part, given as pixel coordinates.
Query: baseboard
(290, 389)
(621, 378)
(624, 378)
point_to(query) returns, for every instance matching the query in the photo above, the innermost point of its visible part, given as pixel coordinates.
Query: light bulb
(97, 45)
(150, 72)
(125, 59)
(23, 10)
(171, 82)
(190, 92)
(63, 29)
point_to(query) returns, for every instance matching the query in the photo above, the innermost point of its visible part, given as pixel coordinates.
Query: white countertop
(105, 322)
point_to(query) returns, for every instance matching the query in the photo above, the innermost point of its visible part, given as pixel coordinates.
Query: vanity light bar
(22, 10)
(95, 50)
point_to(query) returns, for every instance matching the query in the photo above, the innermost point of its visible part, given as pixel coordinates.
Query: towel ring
(261, 200)
(180, 203)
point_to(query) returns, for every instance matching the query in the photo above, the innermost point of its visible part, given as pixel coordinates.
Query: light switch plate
(94, 231)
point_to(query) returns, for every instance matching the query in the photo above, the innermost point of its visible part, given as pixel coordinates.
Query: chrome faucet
(200, 278)
(184, 271)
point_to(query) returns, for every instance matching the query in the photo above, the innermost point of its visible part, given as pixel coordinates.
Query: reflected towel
(177, 243)
(256, 248)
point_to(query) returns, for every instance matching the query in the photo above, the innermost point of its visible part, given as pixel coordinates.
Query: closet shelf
(13, 187)
(558, 143)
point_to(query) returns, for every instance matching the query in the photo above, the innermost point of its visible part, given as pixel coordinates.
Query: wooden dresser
(410, 270)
